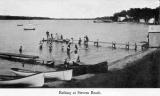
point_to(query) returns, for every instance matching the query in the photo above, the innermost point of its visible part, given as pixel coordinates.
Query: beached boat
(36, 80)
(61, 75)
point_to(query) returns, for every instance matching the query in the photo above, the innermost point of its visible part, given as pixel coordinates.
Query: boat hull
(61, 75)
(36, 80)
(29, 29)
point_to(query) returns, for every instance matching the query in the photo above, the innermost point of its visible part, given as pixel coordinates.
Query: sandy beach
(130, 72)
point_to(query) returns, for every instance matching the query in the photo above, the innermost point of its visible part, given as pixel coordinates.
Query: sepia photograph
(54, 44)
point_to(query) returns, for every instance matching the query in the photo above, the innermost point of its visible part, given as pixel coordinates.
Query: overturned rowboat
(35, 80)
(61, 75)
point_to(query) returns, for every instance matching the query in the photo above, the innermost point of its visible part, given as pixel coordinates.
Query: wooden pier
(113, 44)
(126, 45)
(10, 55)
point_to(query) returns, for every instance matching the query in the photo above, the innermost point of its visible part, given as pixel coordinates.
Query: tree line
(7, 17)
(135, 14)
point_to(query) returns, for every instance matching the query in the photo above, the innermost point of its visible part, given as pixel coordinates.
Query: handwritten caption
(79, 92)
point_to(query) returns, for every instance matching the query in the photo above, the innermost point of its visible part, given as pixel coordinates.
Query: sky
(71, 8)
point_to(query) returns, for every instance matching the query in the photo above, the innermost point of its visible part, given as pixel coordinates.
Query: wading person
(79, 42)
(87, 40)
(68, 50)
(50, 48)
(61, 37)
(47, 33)
(56, 36)
(51, 36)
(76, 47)
(41, 45)
(75, 58)
(20, 50)
(72, 40)
(84, 40)
(62, 48)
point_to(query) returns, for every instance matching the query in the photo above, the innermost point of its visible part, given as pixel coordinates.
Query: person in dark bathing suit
(79, 42)
(47, 33)
(68, 50)
(87, 40)
(61, 37)
(20, 50)
(76, 47)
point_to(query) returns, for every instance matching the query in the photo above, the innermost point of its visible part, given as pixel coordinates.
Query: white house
(152, 20)
(121, 18)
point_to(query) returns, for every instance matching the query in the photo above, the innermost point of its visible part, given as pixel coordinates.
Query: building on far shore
(121, 19)
(141, 21)
(151, 21)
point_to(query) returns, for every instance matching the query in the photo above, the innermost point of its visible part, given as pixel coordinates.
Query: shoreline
(119, 73)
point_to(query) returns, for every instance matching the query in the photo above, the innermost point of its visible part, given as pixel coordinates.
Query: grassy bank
(143, 73)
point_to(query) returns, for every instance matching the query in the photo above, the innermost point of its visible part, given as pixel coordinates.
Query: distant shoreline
(3, 17)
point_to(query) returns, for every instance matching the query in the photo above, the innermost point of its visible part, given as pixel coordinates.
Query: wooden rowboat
(61, 75)
(36, 80)
(29, 29)
(19, 24)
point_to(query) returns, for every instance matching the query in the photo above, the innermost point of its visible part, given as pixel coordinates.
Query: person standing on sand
(20, 50)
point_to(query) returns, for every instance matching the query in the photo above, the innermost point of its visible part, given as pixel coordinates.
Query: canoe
(61, 75)
(36, 80)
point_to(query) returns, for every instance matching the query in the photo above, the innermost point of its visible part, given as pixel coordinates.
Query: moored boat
(29, 29)
(35, 80)
(61, 75)
(19, 24)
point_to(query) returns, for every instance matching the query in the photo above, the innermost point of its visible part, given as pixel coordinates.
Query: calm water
(12, 36)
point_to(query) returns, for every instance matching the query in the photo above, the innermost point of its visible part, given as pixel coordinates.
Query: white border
(103, 91)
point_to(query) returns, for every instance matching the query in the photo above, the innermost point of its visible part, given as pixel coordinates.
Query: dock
(128, 45)
(10, 55)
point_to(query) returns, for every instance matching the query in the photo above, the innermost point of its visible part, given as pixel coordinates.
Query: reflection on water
(12, 36)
